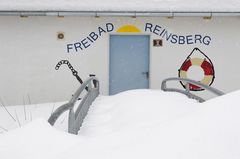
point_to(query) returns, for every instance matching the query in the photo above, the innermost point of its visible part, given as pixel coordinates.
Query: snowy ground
(134, 124)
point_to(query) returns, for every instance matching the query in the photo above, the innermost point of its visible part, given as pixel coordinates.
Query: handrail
(187, 91)
(75, 118)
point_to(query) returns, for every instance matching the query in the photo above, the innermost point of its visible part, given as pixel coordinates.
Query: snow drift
(137, 124)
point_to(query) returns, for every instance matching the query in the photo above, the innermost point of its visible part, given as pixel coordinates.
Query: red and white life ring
(205, 65)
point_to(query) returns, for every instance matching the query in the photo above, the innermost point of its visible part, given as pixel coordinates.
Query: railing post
(163, 86)
(186, 91)
(187, 87)
(71, 121)
(75, 118)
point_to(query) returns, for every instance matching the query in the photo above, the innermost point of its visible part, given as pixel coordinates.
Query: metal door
(129, 63)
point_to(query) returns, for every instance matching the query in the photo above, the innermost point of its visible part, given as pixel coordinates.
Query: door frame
(149, 61)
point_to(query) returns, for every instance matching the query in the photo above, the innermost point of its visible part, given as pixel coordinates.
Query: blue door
(129, 63)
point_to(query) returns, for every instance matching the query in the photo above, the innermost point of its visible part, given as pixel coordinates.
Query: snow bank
(137, 124)
(135, 109)
(189, 130)
(23, 114)
(37, 140)
(124, 5)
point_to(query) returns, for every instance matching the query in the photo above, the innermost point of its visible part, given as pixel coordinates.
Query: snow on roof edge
(121, 6)
(116, 13)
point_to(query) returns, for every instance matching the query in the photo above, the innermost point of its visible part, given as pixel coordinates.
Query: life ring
(205, 65)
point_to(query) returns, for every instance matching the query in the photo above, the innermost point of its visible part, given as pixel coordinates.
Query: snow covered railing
(187, 90)
(76, 116)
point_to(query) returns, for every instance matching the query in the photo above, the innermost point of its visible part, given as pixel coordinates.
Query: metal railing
(76, 117)
(187, 91)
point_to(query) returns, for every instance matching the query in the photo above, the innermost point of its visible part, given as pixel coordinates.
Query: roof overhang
(119, 13)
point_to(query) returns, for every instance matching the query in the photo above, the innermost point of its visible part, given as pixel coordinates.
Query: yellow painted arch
(128, 29)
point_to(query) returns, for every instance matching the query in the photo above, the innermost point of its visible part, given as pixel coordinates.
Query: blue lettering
(174, 39)
(93, 35)
(181, 40)
(77, 45)
(85, 43)
(148, 26)
(162, 32)
(167, 35)
(189, 39)
(156, 29)
(110, 27)
(206, 40)
(198, 38)
(90, 39)
(100, 30)
(69, 47)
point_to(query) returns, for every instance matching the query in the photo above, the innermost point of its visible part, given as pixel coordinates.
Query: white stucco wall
(30, 50)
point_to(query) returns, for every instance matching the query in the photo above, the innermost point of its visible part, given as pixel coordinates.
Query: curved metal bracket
(187, 91)
(75, 118)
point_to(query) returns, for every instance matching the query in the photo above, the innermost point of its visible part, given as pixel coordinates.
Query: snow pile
(137, 124)
(124, 5)
(135, 110)
(12, 117)
(37, 140)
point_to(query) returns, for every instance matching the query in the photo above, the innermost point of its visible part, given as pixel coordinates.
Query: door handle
(146, 74)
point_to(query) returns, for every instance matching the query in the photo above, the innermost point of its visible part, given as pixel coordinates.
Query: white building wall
(30, 51)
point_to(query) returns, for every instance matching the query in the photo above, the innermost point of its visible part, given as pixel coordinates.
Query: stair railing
(76, 116)
(187, 91)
